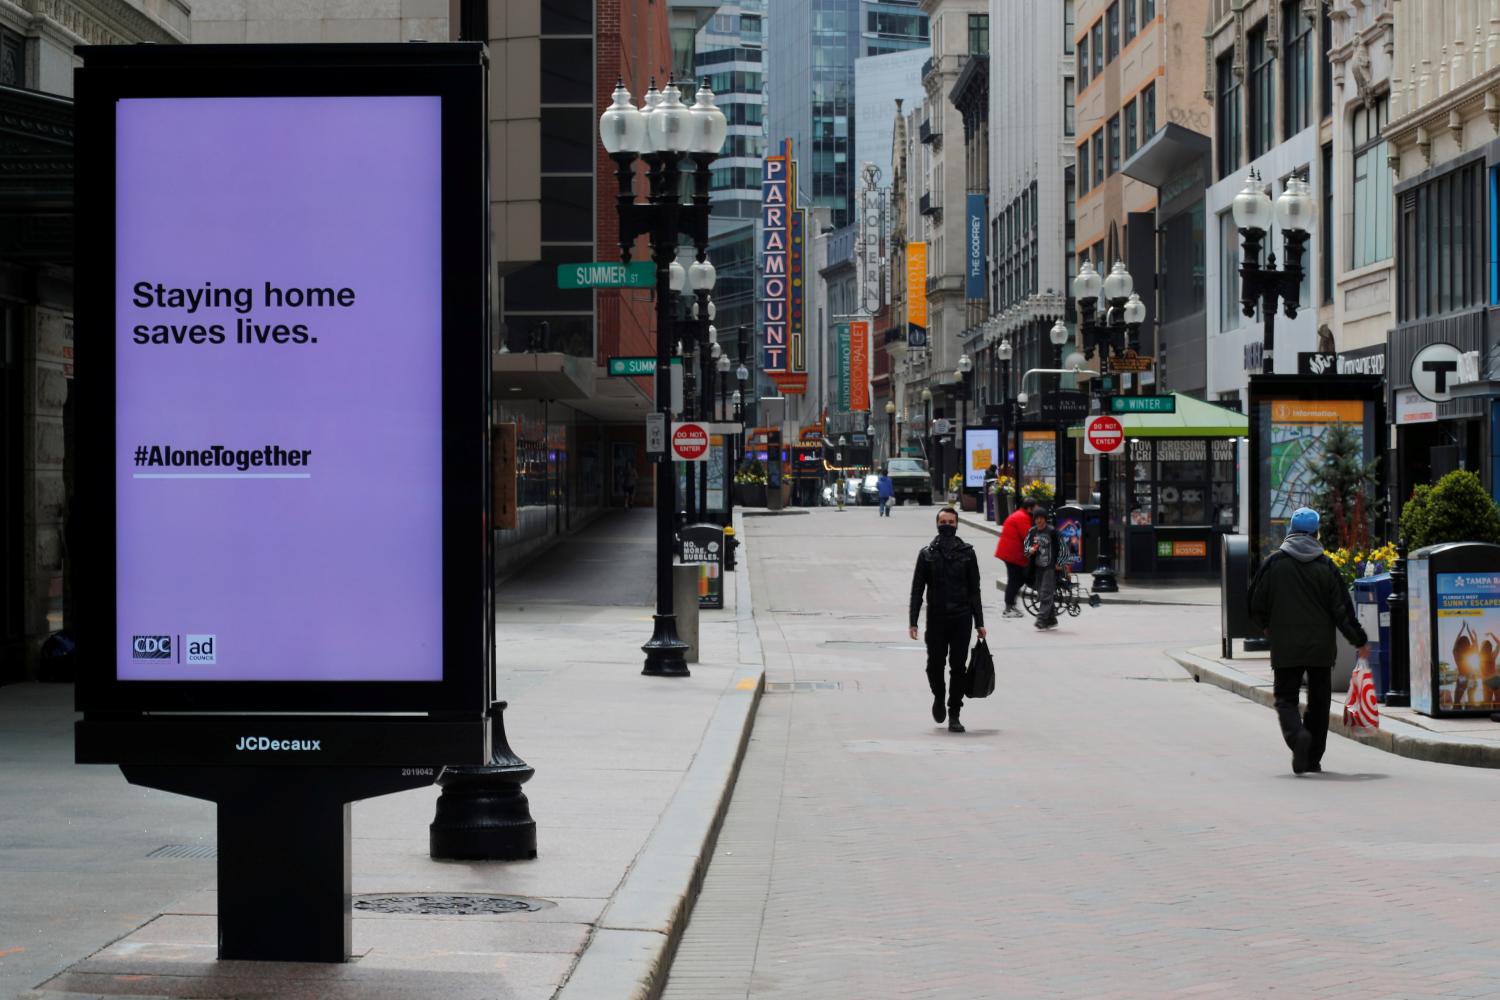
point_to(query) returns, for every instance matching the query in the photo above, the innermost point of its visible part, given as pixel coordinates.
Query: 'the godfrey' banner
(975, 240)
(775, 287)
(916, 295)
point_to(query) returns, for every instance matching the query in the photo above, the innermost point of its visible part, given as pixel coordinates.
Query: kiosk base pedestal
(284, 852)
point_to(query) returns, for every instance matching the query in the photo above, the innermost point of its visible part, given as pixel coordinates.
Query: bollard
(685, 606)
(482, 814)
(731, 542)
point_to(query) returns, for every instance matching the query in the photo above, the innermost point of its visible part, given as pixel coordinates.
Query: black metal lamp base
(666, 655)
(1104, 580)
(482, 814)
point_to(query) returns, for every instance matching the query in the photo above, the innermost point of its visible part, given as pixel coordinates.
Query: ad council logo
(151, 647)
(201, 649)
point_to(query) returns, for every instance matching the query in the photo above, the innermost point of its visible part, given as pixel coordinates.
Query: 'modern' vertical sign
(775, 287)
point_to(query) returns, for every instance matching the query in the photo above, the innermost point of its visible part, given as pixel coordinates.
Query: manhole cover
(458, 905)
(774, 687)
(203, 851)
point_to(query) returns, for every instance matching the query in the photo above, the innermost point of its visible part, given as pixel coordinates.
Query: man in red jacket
(1012, 533)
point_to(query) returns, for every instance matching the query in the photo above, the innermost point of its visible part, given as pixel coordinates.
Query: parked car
(869, 491)
(910, 479)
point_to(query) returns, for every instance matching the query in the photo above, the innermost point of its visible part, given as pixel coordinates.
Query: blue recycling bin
(1370, 593)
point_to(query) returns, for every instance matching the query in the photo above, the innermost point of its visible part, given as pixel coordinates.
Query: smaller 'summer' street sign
(632, 366)
(602, 274)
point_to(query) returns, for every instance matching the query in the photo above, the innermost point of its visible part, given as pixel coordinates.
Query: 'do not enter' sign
(689, 442)
(1103, 435)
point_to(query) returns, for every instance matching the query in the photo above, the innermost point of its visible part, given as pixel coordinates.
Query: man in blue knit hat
(1298, 598)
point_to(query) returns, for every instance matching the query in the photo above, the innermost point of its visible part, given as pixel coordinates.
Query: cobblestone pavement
(1106, 828)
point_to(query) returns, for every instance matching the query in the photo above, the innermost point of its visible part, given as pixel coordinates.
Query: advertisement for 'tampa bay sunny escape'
(279, 425)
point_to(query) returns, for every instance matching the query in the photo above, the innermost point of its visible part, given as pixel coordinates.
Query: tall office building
(810, 54)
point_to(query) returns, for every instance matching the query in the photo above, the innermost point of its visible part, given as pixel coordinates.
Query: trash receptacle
(1453, 602)
(1370, 593)
(1234, 593)
(703, 546)
(1070, 527)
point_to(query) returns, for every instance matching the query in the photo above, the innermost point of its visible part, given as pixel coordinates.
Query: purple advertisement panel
(279, 424)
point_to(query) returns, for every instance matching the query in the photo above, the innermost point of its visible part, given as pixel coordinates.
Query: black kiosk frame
(284, 820)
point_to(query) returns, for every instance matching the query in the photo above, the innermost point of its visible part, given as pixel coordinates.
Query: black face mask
(947, 531)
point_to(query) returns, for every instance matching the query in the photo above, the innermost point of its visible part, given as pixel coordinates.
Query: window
(1227, 112)
(1070, 26)
(1114, 144)
(1099, 171)
(1229, 273)
(1096, 42)
(1069, 98)
(1370, 236)
(1132, 140)
(1443, 245)
(1130, 20)
(1148, 112)
(1083, 167)
(1325, 230)
(1325, 67)
(473, 26)
(1262, 94)
(1148, 11)
(1297, 67)
(1112, 30)
(1183, 273)
(979, 34)
(1083, 62)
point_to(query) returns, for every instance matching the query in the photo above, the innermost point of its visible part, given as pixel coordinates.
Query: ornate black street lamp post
(1110, 317)
(1261, 285)
(661, 136)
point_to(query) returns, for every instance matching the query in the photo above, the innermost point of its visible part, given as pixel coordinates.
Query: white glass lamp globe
(701, 276)
(678, 276)
(1058, 333)
(1294, 209)
(1252, 206)
(669, 124)
(1075, 361)
(723, 361)
(622, 129)
(1135, 309)
(964, 364)
(709, 124)
(890, 408)
(1003, 352)
(1087, 284)
(1119, 283)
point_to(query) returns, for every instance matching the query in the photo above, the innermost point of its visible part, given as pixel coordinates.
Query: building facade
(1272, 97)
(36, 298)
(811, 49)
(1441, 138)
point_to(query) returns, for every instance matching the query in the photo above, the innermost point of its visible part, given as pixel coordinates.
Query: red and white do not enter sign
(689, 442)
(1103, 435)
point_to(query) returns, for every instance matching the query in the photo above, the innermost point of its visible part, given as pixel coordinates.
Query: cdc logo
(151, 647)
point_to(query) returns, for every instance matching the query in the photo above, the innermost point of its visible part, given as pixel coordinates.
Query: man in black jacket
(1298, 598)
(948, 571)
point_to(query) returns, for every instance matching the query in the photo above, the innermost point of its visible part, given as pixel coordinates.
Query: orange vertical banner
(859, 365)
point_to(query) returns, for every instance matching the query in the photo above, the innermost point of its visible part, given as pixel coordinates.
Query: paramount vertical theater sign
(782, 283)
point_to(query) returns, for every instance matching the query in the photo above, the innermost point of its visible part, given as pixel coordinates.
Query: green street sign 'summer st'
(632, 366)
(603, 274)
(1143, 404)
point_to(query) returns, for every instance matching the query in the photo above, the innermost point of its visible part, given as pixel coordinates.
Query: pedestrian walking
(1010, 551)
(1043, 547)
(948, 574)
(885, 489)
(1298, 599)
(628, 484)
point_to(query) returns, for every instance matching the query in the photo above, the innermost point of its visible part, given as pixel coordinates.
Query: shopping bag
(1361, 713)
(981, 671)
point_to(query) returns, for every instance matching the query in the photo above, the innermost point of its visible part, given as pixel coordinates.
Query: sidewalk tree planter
(1457, 509)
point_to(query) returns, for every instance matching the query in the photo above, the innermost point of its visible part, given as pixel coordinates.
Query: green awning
(1194, 419)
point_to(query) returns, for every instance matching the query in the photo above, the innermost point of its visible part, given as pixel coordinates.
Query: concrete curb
(630, 952)
(1394, 736)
